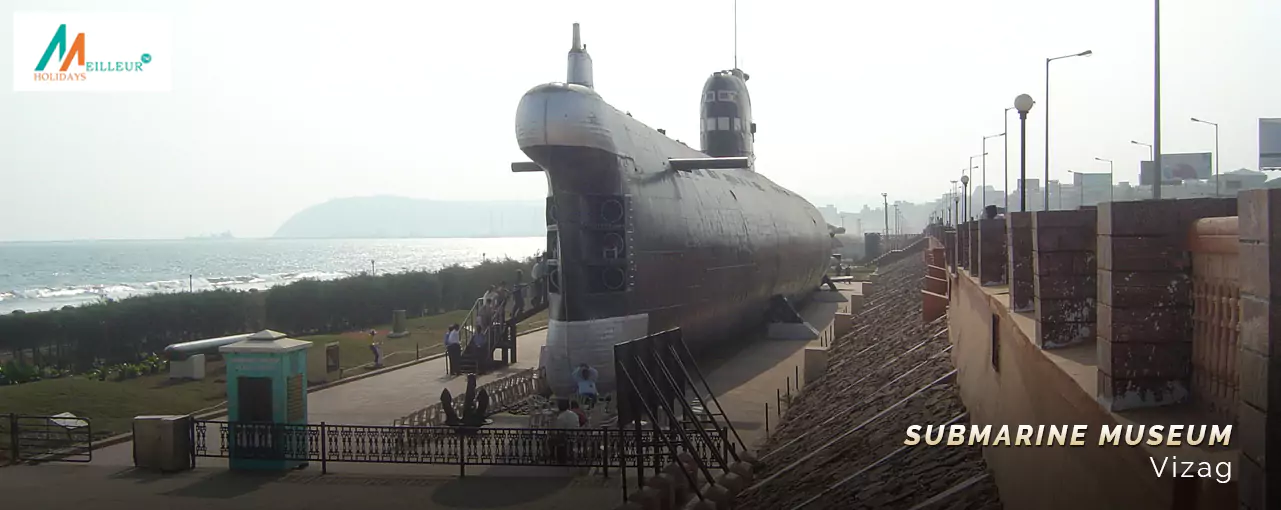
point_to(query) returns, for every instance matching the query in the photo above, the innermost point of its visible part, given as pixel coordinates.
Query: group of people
(492, 309)
(571, 415)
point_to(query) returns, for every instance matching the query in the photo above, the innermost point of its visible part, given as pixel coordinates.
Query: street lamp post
(1156, 99)
(984, 160)
(954, 199)
(1023, 104)
(1005, 187)
(1152, 158)
(885, 198)
(1216, 152)
(1085, 53)
(970, 208)
(965, 198)
(1111, 176)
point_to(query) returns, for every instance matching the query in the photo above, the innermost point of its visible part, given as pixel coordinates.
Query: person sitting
(565, 419)
(585, 377)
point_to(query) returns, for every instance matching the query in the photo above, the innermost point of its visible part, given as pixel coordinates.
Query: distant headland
(400, 217)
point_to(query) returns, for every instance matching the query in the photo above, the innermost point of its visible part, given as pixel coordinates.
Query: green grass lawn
(111, 406)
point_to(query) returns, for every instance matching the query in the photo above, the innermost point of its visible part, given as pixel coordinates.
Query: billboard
(1270, 144)
(1178, 167)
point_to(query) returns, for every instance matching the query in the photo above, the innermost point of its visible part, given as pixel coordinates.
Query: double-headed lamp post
(1023, 104)
(1085, 53)
(1216, 152)
(1151, 157)
(984, 160)
(1111, 184)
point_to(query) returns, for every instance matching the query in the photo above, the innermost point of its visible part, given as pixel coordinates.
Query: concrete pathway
(379, 399)
(747, 382)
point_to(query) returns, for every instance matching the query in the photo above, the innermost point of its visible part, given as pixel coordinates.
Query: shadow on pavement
(226, 485)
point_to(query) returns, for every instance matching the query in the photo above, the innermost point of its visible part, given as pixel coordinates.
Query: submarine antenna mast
(735, 34)
(580, 63)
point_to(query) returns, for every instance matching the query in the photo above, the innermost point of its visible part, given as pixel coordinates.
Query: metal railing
(503, 393)
(30, 438)
(1216, 315)
(460, 446)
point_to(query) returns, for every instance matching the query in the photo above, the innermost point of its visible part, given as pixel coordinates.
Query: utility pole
(886, 200)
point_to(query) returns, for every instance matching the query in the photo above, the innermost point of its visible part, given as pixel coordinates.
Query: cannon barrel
(184, 350)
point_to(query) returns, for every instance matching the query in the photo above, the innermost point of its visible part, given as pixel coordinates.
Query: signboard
(1269, 144)
(1176, 168)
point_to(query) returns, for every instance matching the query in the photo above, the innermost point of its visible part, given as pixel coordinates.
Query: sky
(277, 106)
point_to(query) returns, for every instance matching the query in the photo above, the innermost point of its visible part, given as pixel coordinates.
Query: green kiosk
(267, 402)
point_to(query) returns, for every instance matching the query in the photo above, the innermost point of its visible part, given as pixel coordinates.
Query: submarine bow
(645, 233)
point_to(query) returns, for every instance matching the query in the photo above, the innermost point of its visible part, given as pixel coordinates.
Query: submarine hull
(636, 248)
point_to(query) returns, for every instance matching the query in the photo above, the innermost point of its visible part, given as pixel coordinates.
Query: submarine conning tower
(727, 128)
(580, 63)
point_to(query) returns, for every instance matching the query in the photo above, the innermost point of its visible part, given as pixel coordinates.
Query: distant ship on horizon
(211, 237)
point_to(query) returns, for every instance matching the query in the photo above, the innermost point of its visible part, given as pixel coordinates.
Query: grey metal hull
(703, 250)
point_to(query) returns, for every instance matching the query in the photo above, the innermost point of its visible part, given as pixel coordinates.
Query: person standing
(585, 377)
(536, 278)
(518, 294)
(453, 349)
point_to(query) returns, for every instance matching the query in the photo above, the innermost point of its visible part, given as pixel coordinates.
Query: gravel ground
(841, 442)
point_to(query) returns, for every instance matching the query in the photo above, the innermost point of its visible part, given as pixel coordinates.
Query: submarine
(645, 233)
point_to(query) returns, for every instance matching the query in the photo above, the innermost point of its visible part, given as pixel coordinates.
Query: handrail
(503, 393)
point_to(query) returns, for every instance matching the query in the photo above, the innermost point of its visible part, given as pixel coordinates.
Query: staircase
(500, 333)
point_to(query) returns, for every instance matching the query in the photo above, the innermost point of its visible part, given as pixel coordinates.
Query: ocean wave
(50, 298)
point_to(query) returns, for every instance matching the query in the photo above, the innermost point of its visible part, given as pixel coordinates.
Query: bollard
(767, 420)
(796, 370)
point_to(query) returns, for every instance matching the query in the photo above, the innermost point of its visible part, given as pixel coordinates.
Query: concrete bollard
(718, 494)
(731, 482)
(662, 484)
(869, 288)
(749, 457)
(680, 485)
(856, 302)
(743, 469)
(398, 325)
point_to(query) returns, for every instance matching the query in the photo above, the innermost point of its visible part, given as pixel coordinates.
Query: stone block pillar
(1145, 299)
(992, 253)
(1019, 266)
(973, 237)
(963, 246)
(949, 244)
(1259, 356)
(1063, 279)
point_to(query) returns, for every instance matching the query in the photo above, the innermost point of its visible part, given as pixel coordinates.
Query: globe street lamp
(1111, 185)
(965, 199)
(1085, 53)
(984, 160)
(1023, 104)
(1216, 152)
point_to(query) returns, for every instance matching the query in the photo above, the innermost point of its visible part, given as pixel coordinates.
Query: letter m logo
(59, 43)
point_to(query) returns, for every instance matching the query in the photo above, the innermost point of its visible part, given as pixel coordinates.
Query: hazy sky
(280, 105)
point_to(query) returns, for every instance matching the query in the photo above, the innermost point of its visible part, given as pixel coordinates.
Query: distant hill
(399, 217)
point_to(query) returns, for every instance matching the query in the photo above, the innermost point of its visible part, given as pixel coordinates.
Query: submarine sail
(645, 233)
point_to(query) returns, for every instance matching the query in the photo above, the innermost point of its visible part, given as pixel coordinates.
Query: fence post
(13, 439)
(767, 420)
(324, 449)
(462, 456)
(605, 460)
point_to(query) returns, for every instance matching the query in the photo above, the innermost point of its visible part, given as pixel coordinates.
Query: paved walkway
(746, 383)
(379, 399)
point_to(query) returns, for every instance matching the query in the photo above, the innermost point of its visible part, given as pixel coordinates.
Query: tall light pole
(1156, 99)
(954, 199)
(1216, 152)
(886, 199)
(1151, 157)
(965, 201)
(984, 160)
(1085, 53)
(969, 196)
(1111, 177)
(1005, 188)
(1023, 104)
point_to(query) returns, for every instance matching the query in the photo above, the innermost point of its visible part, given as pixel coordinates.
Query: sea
(36, 276)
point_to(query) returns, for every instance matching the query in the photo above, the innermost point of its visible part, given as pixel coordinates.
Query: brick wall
(992, 253)
(1259, 414)
(1019, 265)
(1144, 309)
(1063, 269)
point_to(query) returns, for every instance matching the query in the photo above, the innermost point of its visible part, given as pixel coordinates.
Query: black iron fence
(30, 438)
(325, 443)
